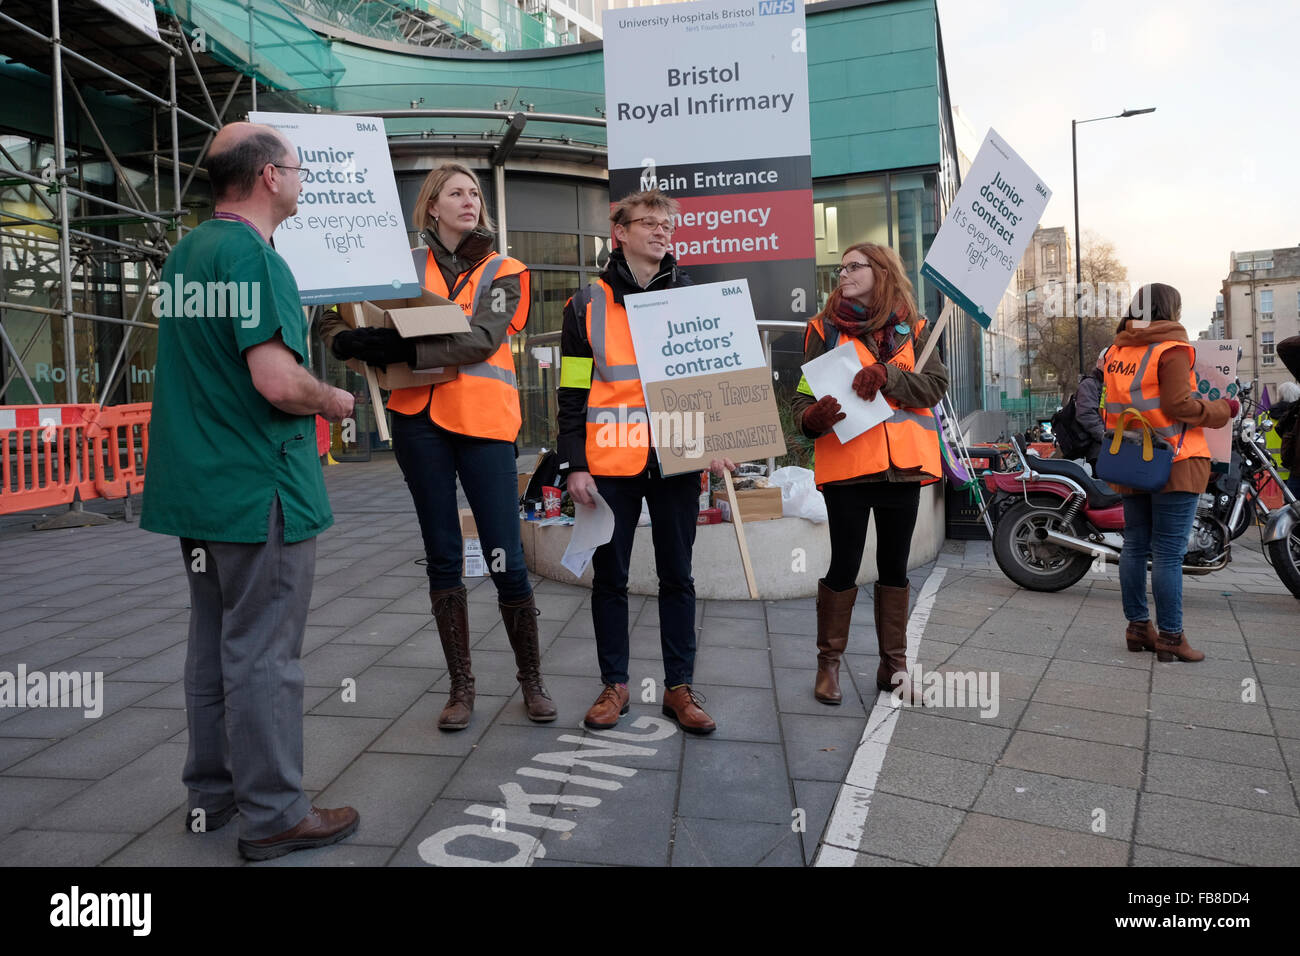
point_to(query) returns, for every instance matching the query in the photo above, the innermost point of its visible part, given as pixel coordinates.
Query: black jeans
(674, 507)
(430, 458)
(849, 508)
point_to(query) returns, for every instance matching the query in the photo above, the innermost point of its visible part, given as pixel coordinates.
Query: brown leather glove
(822, 416)
(869, 381)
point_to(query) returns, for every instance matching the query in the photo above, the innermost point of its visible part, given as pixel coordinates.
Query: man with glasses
(233, 473)
(604, 447)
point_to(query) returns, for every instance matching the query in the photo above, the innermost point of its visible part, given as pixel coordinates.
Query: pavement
(1067, 749)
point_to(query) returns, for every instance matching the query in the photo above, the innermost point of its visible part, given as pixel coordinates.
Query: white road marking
(849, 817)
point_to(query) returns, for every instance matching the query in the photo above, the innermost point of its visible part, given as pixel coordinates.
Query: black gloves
(379, 347)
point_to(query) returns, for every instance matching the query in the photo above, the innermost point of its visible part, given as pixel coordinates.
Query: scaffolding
(170, 81)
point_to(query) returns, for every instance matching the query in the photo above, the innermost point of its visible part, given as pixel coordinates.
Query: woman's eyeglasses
(849, 268)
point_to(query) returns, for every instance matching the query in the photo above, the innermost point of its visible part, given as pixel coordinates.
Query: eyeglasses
(300, 170)
(654, 225)
(849, 268)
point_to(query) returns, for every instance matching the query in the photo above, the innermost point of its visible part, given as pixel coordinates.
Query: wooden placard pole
(940, 324)
(740, 536)
(376, 398)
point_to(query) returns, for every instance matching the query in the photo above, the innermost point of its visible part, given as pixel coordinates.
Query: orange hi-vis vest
(1141, 365)
(483, 399)
(618, 427)
(908, 439)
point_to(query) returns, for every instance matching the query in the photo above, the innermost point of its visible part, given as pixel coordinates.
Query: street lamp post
(1078, 237)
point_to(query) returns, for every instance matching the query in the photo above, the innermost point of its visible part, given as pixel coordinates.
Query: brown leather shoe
(451, 611)
(683, 705)
(608, 708)
(521, 628)
(1170, 646)
(317, 828)
(834, 614)
(1140, 636)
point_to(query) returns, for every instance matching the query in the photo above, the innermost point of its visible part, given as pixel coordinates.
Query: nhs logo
(767, 8)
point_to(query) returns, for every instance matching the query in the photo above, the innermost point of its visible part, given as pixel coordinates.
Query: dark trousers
(430, 458)
(848, 511)
(674, 507)
(243, 681)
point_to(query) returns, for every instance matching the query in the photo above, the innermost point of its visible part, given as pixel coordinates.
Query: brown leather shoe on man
(1170, 646)
(608, 708)
(683, 705)
(1140, 636)
(317, 828)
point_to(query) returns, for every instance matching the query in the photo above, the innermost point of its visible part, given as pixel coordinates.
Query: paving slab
(995, 841)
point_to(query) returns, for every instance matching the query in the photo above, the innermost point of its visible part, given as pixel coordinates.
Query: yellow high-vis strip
(804, 386)
(575, 372)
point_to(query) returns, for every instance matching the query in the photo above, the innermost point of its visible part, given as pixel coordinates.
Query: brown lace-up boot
(451, 611)
(834, 614)
(1170, 646)
(520, 618)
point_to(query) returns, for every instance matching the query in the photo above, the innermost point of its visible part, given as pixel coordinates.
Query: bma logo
(768, 7)
(367, 127)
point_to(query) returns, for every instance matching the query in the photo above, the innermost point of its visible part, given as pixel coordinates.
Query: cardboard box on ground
(756, 504)
(475, 562)
(427, 315)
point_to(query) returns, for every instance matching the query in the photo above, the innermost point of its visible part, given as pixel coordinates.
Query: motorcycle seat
(1100, 494)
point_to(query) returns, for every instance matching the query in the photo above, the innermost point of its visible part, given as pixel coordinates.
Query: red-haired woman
(881, 470)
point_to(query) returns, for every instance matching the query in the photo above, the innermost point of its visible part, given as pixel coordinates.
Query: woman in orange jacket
(881, 470)
(1149, 367)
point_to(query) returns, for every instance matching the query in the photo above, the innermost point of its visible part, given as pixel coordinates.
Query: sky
(1213, 170)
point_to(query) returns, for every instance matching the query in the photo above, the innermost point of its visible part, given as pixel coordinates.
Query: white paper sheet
(592, 527)
(832, 374)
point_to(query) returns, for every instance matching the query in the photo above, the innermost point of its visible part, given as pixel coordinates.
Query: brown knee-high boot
(891, 635)
(451, 611)
(834, 614)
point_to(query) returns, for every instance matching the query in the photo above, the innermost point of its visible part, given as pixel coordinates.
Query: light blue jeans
(1156, 527)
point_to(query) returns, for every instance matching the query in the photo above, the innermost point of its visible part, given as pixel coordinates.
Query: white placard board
(978, 248)
(139, 13)
(704, 375)
(832, 373)
(348, 242)
(1216, 377)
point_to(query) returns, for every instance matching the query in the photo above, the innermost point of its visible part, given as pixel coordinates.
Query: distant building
(1048, 260)
(1261, 307)
(1215, 331)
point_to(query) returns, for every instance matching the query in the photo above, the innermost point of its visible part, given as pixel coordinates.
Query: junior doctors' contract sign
(348, 242)
(1216, 377)
(979, 245)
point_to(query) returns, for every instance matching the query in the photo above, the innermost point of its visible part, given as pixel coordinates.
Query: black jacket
(572, 402)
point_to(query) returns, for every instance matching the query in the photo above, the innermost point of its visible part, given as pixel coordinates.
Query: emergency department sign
(708, 101)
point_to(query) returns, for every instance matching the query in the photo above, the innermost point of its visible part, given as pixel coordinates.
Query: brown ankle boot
(520, 619)
(834, 614)
(891, 635)
(451, 611)
(1169, 646)
(1140, 636)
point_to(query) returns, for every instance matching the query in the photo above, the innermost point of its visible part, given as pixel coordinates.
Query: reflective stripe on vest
(483, 399)
(908, 440)
(1187, 442)
(618, 427)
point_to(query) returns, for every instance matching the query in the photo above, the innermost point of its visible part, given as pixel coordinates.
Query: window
(1266, 350)
(1051, 258)
(1266, 305)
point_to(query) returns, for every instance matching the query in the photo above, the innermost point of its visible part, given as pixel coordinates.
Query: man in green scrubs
(233, 472)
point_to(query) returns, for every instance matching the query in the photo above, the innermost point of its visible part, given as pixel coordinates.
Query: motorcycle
(1053, 521)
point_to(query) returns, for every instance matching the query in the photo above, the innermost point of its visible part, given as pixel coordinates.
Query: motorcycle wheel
(1285, 558)
(1031, 563)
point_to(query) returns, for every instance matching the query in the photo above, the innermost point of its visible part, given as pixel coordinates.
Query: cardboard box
(756, 504)
(427, 315)
(475, 563)
(709, 516)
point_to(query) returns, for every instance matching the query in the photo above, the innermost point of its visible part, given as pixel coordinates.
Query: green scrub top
(220, 453)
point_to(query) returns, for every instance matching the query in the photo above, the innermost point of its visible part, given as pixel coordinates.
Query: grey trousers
(243, 679)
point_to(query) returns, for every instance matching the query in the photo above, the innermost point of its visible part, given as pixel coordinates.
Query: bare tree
(1101, 300)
